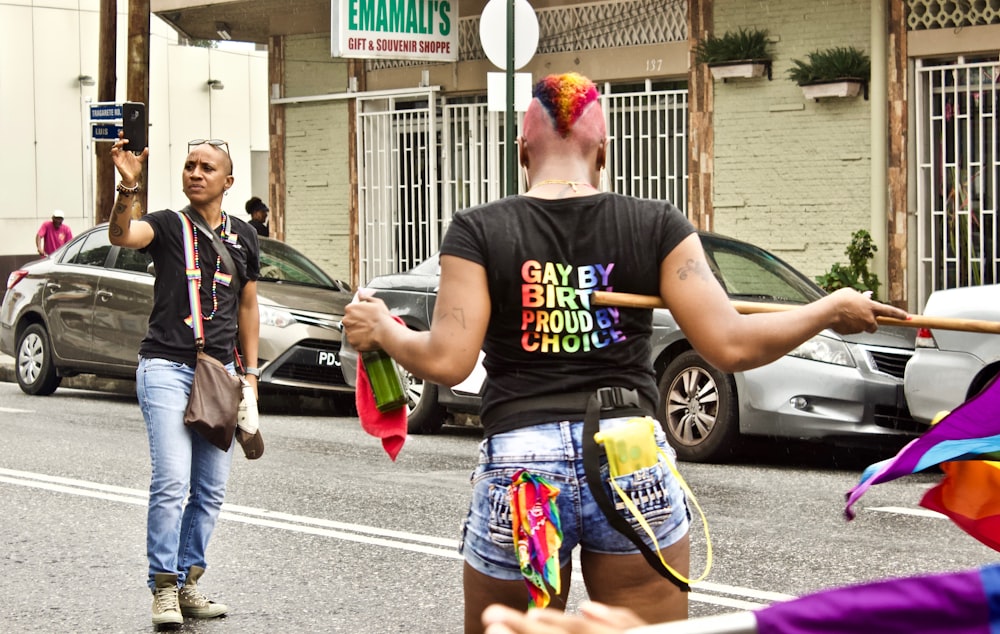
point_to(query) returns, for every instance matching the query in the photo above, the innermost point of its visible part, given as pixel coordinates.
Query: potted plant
(833, 72)
(741, 53)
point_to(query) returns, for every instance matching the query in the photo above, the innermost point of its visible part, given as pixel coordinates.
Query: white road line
(902, 510)
(11, 410)
(400, 540)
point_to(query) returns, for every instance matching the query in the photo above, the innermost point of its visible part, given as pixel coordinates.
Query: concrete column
(878, 96)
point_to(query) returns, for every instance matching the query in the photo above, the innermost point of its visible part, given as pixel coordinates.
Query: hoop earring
(524, 175)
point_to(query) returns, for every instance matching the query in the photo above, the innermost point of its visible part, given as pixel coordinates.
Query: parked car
(950, 366)
(844, 389)
(84, 310)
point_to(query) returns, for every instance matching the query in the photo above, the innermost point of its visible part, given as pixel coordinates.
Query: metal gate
(421, 158)
(957, 174)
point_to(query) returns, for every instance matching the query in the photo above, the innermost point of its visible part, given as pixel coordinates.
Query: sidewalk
(80, 382)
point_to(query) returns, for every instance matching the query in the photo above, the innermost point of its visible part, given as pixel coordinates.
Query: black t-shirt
(260, 227)
(543, 258)
(168, 337)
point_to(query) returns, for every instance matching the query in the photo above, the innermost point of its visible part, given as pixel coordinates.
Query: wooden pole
(137, 73)
(630, 300)
(107, 78)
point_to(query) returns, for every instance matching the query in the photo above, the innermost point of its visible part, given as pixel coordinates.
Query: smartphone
(134, 125)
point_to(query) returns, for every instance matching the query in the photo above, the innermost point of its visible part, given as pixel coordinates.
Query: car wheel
(698, 409)
(424, 414)
(36, 374)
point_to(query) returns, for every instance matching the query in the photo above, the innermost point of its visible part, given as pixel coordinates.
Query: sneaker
(166, 608)
(193, 603)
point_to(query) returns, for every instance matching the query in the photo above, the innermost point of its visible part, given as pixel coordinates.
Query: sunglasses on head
(219, 143)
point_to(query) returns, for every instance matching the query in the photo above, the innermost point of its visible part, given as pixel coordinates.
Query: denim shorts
(553, 451)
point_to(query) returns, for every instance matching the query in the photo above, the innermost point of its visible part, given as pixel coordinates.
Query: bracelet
(127, 191)
(253, 372)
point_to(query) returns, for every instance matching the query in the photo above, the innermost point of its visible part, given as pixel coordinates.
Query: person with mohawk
(516, 280)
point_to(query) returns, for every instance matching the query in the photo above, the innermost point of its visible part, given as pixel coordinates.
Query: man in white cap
(53, 234)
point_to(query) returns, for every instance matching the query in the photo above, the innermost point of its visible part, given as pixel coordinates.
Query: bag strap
(220, 249)
(592, 469)
(192, 271)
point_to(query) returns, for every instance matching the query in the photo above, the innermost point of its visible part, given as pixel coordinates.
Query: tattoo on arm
(115, 230)
(120, 208)
(694, 267)
(458, 314)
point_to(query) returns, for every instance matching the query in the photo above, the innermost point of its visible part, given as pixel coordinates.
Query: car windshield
(748, 272)
(281, 263)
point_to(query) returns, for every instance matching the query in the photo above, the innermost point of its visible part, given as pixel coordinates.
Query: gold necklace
(556, 181)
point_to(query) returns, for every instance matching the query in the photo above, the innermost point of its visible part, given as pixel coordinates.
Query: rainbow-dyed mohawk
(565, 97)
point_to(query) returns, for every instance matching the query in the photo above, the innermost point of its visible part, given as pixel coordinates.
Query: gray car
(836, 388)
(84, 310)
(950, 366)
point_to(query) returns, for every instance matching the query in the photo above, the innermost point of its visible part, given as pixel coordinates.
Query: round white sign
(493, 32)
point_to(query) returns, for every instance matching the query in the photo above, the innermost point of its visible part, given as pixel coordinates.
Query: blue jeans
(554, 451)
(184, 465)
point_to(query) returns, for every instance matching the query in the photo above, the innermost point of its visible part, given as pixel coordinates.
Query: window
(94, 251)
(132, 260)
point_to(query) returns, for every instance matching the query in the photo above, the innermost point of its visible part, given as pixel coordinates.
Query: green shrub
(733, 46)
(832, 64)
(856, 274)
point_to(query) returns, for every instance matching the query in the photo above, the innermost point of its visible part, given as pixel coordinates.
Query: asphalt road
(326, 534)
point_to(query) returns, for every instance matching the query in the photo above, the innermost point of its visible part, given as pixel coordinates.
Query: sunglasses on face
(219, 143)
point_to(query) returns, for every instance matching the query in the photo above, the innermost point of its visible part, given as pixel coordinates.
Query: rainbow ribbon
(537, 534)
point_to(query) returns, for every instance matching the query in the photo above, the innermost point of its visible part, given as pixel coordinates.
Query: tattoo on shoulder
(694, 267)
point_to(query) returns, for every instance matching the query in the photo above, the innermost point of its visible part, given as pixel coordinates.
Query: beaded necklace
(219, 276)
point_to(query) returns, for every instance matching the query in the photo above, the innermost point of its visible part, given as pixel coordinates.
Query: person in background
(53, 234)
(258, 216)
(189, 473)
(516, 281)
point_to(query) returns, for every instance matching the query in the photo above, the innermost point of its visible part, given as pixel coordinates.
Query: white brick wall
(316, 156)
(791, 174)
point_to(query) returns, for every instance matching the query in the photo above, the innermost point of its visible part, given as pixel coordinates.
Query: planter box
(740, 69)
(845, 88)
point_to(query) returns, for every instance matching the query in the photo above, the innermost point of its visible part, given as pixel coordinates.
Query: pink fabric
(390, 427)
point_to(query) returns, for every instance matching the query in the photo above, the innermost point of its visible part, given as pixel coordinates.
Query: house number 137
(654, 65)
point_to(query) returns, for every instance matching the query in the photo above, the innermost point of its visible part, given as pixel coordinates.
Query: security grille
(951, 14)
(957, 174)
(419, 164)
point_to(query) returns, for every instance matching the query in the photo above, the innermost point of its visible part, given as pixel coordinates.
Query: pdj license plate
(327, 358)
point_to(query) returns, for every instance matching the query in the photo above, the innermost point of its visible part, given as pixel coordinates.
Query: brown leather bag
(215, 397)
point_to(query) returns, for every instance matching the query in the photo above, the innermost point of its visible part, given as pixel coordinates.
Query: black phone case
(134, 125)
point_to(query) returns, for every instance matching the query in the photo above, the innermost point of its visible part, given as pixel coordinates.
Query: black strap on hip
(604, 399)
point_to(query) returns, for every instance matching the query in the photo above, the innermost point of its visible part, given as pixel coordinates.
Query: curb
(79, 382)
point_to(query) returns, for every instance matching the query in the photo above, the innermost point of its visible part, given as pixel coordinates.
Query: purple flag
(971, 431)
(949, 603)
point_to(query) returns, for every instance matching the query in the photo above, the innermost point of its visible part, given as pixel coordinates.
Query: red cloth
(390, 427)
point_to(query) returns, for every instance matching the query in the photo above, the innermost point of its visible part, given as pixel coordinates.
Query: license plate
(327, 358)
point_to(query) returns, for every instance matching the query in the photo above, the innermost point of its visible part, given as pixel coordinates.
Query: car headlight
(825, 350)
(272, 316)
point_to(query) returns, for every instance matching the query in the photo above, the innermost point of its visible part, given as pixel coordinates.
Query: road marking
(902, 510)
(11, 410)
(373, 535)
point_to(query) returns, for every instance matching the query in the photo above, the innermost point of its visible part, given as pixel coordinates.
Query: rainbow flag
(965, 602)
(967, 495)
(970, 432)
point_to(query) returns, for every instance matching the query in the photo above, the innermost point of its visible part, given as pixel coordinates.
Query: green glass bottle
(384, 379)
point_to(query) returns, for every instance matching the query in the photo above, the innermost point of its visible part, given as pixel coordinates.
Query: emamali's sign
(395, 29)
